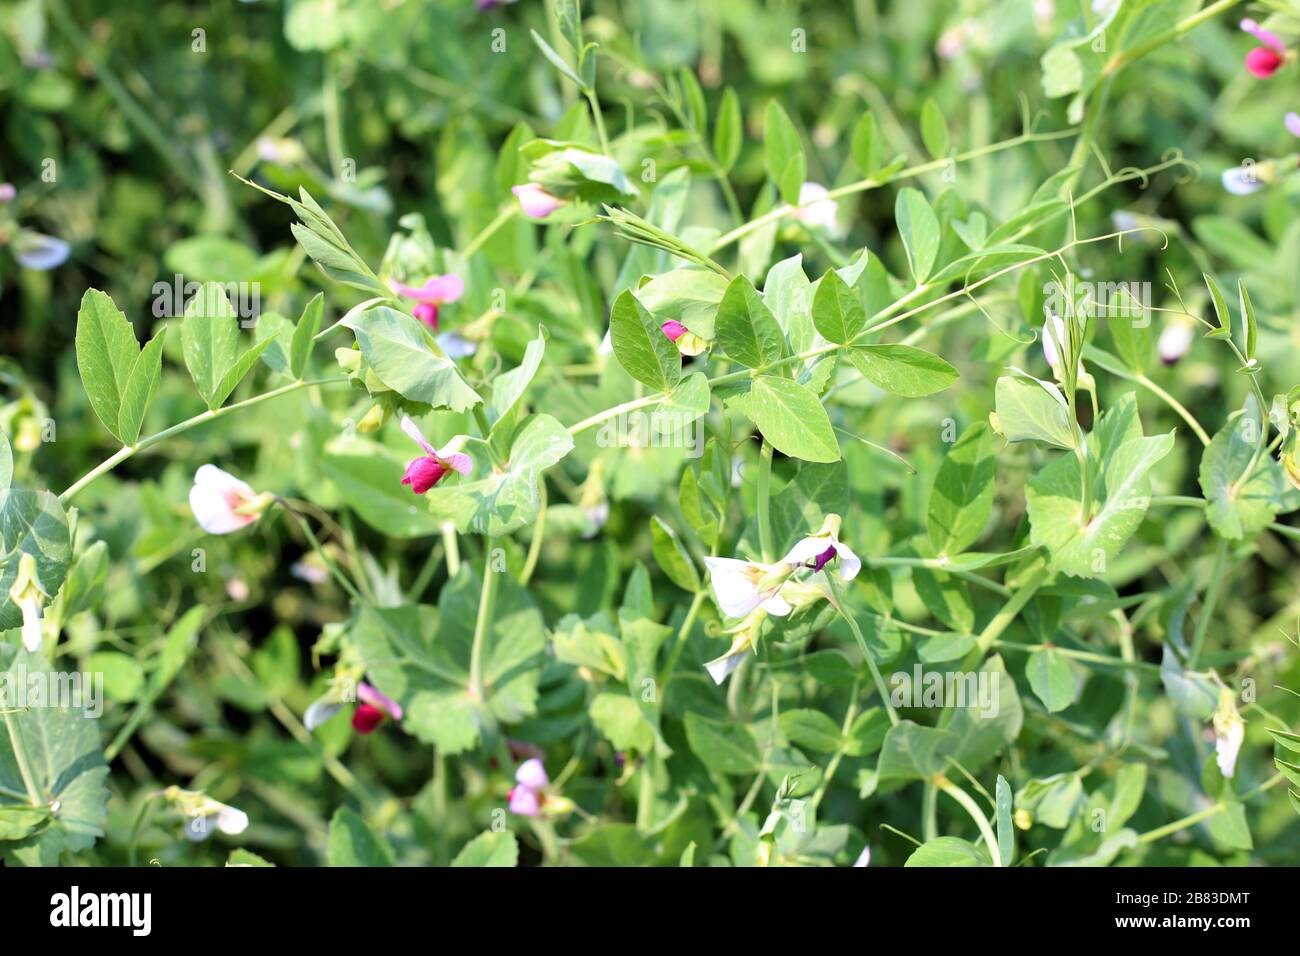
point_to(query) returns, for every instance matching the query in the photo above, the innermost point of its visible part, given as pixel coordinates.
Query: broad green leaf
(962, 498)
(620, 720)
(934, 129)
(866, 146)
(1238, 509)
(141, 386)
(243, 365)
(353, 843)
(501, 501)
(745, 328)
(1229, 827)
(914, 752)
(726, 748)
(106, 354)
(947, 851)
(988, 714)
(783, 152)
(837, 311)
(304, 334)
(1051, 678)
(903, 369)
(509, 387)
(1029, 409)
(641, 346)
(210, 341)
(918, 227)
(65, 758)
(1193, 696)
(402, 354)
(728, 130)
(811, 729)
(867, 733)
(491, 848)
(672, 556)
(793, 419)
(1085, 545)
(1220, 304)
(31, 522)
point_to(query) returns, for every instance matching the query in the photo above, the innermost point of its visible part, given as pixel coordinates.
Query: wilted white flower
(222, 503)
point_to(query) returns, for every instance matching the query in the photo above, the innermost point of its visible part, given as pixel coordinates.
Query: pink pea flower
(222, 503)
(1292, 122)
(1174, 342)
(426, 471)
(673, 329)
(527, 798)
(1263, 61)
(438, 291)
(536, 202)
(372, 708)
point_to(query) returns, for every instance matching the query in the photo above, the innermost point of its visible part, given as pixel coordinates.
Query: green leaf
(1085, 545)
(913, 752)
(557, 61)
(783, 152)
(867, 733)
(793, 419)
(504, 500)
(353, 843)
(210, 341)
(65, 758)
(509, 387)
(962, 499)
(837, 311)
(31, 522)
(641, 346)
(1237, 509)
(403, 355)
(491, 848)
(235, 374)
(947, 851)
(1006, 832)
(141, 386)
(918, 227)
(726, 748)
(1229, 827)
(1220, 304)
(672, 556)
(6, 463)
(106, 354)
(304, 334)
(1248, 317)
(934, 129)
(728, 130)
(1051, 678)
(811, 729)
(1030, 409)
(903, 369)
(620, 720)
(866, 146)
(746, 329)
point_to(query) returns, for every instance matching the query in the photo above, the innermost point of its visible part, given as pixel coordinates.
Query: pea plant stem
(971, 807)
(765, 500)
(837, 599)
(486, 605)
(1217, 576)
(1201, 815)
(130, 451)
(20, 758)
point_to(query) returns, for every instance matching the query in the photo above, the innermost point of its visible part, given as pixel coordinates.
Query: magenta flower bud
(425, 472)
(673, 329)
(535, 201)
(1263, 62)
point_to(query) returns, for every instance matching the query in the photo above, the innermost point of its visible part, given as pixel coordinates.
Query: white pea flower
(222, 503)
(1174, 342)
(1229, 733)
(28, 593)
(815, 210)
(203, 814)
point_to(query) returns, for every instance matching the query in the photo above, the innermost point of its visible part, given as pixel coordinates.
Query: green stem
(765, 501)
(507, 213)
(837, 600)
(849, 715)
(486, 604)
(976, 814)
(1210, 811)
(335, 571)
(1217, 577)
(600, 121)
(539, 533)
(20, 758)
(451, 545)
(1002, 620)
(1124, 57)
(1176, 405)
(129, 451)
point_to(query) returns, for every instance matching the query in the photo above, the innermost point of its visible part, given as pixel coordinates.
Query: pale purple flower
(535, 201)
(1292, 122)
(436, 292)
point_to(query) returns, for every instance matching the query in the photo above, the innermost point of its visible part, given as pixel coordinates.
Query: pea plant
(631, 509)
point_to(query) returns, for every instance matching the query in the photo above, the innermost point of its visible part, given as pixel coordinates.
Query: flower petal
(532, 774)
(413, 432)
(734, 585)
